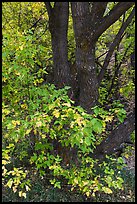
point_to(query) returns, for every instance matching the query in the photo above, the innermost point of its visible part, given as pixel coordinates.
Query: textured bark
(118, 136)
(89, 23)
(97, 12)
(112, 17)
(85, 55)
(58, 26)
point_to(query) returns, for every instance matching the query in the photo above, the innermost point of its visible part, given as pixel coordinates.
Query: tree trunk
(89, 23)
(85, 55)
(58, 26)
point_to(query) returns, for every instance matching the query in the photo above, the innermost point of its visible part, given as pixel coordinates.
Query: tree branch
(117, 67)
(48, 7)
(112, 17)
(97, 11)
(118, 136)
(114, 44)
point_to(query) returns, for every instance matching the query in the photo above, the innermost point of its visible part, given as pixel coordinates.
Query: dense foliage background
(47, 138)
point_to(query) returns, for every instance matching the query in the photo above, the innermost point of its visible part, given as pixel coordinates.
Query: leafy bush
(43, 132)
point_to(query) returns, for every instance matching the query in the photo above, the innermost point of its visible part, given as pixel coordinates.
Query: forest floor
(44, 192)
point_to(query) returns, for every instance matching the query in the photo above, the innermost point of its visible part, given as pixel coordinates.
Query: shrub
(43, 132)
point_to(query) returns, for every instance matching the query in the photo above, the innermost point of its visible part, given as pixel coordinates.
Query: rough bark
(58, 26)
(85, 55)
(118, 136)
(88, 24)
(97, 12)
(112, 17)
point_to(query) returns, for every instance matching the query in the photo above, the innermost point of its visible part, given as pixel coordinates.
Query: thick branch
(117, 137)
(49, 8)
(97, 11)
(114, 44)
(112, 17)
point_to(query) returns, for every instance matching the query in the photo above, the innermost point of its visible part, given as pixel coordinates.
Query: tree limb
(97, 11)
(49, 8)
(117, 137)
(114, 44)
(112, 17)
(117, 67)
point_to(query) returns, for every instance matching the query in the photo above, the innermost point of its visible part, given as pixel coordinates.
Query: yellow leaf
(88, 194)
(21, 47)
(51, 106)
(27, 188)
(85, 183)
(14, 122)
(14, 189)
(17, 122)
(66, 104)
(4, 162)
(81, 140)
(72, 124)
(4, 79)
(4, 171)
(79, 121)
(116, 111)
(76, 181)
(93, 194)
(43, 136)
(24, 106)
(103, 124)
(6, 111)
(39, 124)
(28, 131)
(107, 190)
(9, 183)
(126, 156)
(56, 113)
(35, 132)
(72, 188)
(20, 193)
(17, 73)
(109, 118)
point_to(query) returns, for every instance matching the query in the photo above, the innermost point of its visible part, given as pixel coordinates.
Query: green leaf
(88, 141)
(96, 125)
(120, 160)
(34, 158)
(57, 184)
